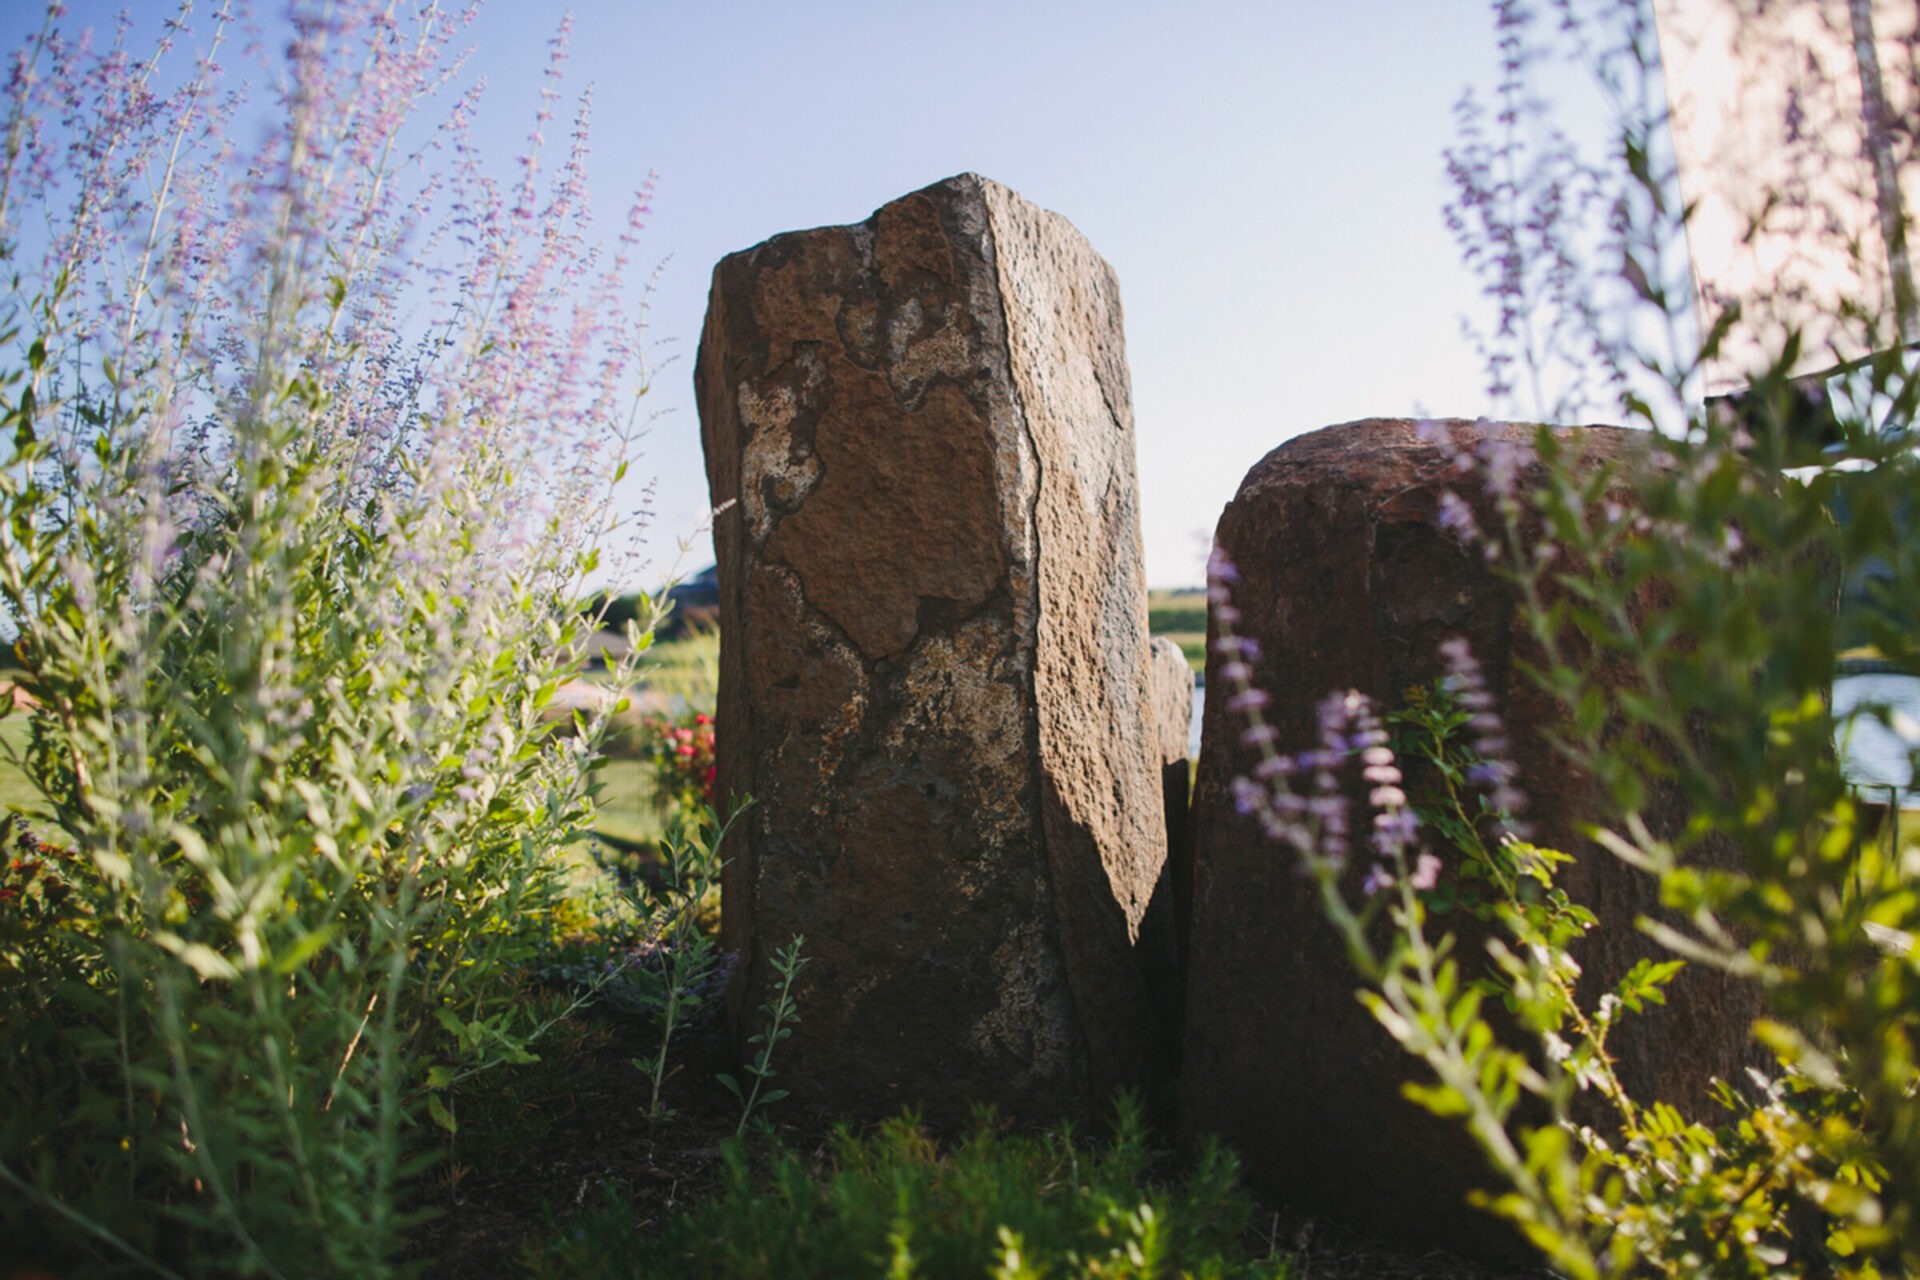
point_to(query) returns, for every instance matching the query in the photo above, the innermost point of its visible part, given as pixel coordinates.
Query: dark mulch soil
(577, 1138)
(1329, 1251)
(572, 1131)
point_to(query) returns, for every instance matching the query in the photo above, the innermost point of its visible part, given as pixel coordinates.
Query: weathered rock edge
(919, 440)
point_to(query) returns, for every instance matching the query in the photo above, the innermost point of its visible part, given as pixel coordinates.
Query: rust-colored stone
(934, 655)
(1348, 580)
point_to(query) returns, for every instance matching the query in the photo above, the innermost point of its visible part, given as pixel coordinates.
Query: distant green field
(1180, 614)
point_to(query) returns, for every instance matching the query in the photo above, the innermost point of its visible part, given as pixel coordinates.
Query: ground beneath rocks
(572, 1131)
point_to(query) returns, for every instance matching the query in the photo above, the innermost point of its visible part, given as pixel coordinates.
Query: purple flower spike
(1248, 700)
(1394, 830)
(1259, 735)
(1246, 795)
(1273, 766)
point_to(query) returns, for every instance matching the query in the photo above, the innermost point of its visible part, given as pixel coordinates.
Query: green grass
(674, 677)
(626, 808)
(16, 792)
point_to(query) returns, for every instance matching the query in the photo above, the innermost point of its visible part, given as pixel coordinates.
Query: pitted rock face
(1348, 580)
(1172, 685)
(934, 654)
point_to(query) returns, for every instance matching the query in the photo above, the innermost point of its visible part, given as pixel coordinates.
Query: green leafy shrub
(782, 1014)
(1756, 551)
(893, 1203)
(677, 965)
(292, 566)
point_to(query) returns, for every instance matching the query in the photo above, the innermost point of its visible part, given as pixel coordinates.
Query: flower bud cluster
(1494, 770)
(1300, 800)
(1499, 463)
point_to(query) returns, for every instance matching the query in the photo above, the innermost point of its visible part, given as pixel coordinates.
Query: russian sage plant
(309, 447)
(678, 961)
(782, 1015)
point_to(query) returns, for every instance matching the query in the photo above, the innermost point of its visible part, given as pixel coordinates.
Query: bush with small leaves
(1765, 544)
(895, 1203)
(310, 447)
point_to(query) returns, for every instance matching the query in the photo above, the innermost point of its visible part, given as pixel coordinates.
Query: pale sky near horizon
(1265, 178)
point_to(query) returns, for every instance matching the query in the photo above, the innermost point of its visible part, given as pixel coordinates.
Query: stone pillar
(1349, 580)
(1172, 685)
(933, 621)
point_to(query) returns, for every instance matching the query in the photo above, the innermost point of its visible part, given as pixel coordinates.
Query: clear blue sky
(1265, 177)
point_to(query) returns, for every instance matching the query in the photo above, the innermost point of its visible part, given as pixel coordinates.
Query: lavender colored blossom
(1494, 770)
(1246, 795)
(1387, 798)
(1248, 699)
(1301, 800)
(1457, 518)
(1275, 766)
(1394, 831)
(1259, 735)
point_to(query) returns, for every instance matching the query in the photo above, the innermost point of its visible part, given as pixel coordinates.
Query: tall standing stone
(919, 439)
(1349, 579)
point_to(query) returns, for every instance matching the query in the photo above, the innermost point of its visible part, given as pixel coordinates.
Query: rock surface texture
(1349, 580)
(919, 434)
(1163, 934)
(1172, 685)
